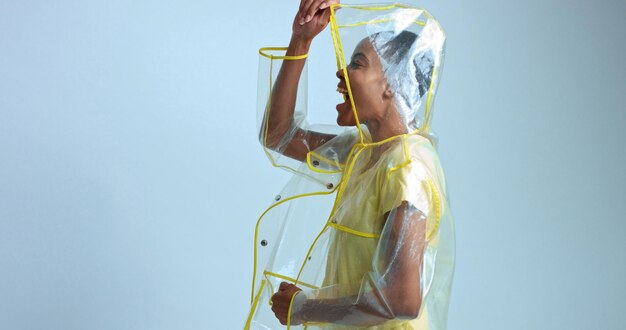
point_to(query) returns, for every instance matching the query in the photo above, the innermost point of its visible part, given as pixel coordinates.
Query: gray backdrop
(131, 178)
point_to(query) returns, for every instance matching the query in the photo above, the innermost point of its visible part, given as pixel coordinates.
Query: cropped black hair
(394, 51)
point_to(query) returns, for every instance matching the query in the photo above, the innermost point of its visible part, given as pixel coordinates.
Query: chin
(345, 123)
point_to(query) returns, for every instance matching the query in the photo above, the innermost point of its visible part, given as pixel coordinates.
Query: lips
(345, 106)
(344, 92)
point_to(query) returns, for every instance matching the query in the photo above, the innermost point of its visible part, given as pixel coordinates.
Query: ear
(388, 93)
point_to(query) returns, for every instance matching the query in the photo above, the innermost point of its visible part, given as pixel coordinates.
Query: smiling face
(372, 97)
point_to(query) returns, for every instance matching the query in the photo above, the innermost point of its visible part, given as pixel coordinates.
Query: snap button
(263, 243)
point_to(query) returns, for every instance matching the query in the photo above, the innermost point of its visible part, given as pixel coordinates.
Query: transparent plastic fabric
(324, 161)
(364, 228)
(411, 45)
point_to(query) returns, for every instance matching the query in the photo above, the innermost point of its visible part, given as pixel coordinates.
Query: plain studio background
(131, 177)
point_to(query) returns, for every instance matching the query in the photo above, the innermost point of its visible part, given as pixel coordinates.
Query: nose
(339, 73)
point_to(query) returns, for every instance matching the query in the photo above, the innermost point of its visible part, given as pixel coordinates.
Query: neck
(383, 128)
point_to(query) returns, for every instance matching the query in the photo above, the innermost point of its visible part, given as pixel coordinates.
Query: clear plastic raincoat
(363, 228)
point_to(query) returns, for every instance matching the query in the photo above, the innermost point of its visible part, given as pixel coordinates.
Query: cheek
(367, 88)
(360, 89)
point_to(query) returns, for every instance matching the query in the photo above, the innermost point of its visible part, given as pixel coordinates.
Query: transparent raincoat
(363, 227)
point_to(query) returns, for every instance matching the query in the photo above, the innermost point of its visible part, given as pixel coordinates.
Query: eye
(354, 65)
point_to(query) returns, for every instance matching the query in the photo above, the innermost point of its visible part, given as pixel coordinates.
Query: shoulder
(411, 153)
(410, 172)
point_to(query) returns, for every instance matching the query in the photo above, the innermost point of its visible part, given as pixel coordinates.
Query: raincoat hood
(410, 45)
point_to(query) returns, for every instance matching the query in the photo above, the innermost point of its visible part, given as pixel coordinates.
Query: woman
(388, 243)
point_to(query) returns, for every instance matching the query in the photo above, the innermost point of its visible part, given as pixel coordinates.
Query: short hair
(394, 49)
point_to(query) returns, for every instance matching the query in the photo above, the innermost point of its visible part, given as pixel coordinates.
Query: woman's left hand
(281, 301)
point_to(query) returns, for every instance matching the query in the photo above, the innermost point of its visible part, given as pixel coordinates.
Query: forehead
(365, 47)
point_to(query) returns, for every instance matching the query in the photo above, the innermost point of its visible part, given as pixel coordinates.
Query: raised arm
(311, 19)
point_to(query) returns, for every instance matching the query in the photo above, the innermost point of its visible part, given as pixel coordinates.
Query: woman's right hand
(312, 18)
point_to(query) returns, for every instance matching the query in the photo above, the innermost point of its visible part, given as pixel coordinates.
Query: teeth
(342, 90)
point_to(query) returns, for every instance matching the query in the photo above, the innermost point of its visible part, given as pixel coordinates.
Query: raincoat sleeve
(282, 109)
(394, 288)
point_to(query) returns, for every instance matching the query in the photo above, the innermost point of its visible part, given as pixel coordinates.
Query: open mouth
(345, 106)
(344, 92)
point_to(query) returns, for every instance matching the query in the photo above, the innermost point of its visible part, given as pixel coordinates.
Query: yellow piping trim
(396, 5)
(437, 205)
(292, 280)
(352, 231)
(333, 27)
(341, 58)
(350, 161)
(327, 160)
(271, 289)
(274, 164)
(336, 202)
(378, 21)
(254, 304)
(345, 178)
(281, 57)
(256, 229)
(341, 65)
(267, 112)
(289, 311)
(352, 156)
(371, 144)
(266, 128)
(407, 158)
(309, 251)
(335, 45)
(314, 169)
